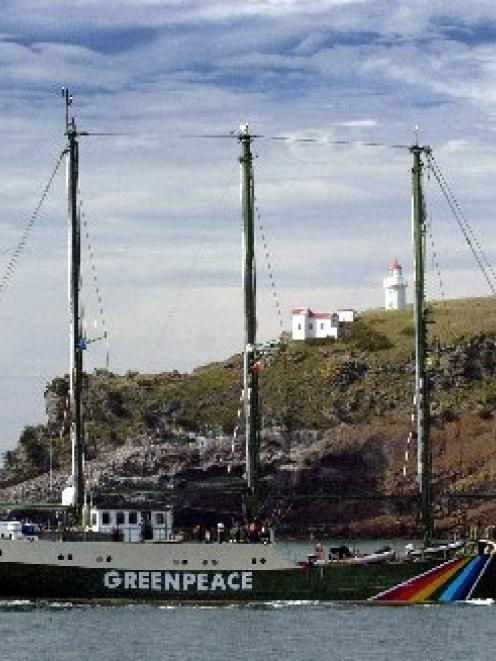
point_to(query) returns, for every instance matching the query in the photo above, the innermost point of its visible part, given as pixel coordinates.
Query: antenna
(415, 133)
(68, 102)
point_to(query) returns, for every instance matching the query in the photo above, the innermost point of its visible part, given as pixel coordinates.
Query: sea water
(53, 631)
(62, 632)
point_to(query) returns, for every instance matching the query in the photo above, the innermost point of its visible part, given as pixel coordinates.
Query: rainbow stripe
(450, 581)
(462, 586)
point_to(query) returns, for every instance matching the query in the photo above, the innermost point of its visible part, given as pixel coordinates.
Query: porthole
(60, 557)
(204, 562)
(184, 562)
(263, 561)
(175, 561)
(109, 558)
(215, 563)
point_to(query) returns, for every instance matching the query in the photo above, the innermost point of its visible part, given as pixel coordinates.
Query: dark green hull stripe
(333, 582)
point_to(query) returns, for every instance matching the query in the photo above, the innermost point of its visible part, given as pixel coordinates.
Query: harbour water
(51, 631)
(61, 632)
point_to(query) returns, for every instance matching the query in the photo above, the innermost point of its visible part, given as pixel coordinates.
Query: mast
(422, 394)
(250, 374)
(77, 343)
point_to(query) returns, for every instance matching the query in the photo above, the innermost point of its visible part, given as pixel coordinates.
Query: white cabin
(132, 525)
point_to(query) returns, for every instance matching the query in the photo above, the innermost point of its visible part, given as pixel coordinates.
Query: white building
(347, 316)
(395, 287)
(307, 324)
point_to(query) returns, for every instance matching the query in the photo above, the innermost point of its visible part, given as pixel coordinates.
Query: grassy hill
(336, 415)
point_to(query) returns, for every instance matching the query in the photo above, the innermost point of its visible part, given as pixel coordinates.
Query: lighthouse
(395, 287)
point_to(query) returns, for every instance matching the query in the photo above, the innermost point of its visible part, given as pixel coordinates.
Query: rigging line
(275, 298)
(236, 431)
(237, 428)
(269, 267)
(96, 285)
(168, 316)
(65, 421)
(323, 140)
(437, 268)
(9, 270)
(470, 230)
(466, 230)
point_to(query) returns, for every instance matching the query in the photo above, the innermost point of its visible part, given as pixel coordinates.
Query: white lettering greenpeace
(112, 579)
(178, 581)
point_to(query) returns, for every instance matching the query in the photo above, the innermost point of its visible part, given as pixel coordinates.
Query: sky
(161, 202)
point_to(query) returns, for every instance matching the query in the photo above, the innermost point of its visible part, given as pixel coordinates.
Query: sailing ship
(146, 562)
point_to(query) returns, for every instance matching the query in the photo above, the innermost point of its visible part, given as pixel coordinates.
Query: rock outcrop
(337, 417)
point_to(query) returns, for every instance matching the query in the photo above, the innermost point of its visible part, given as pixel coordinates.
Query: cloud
(163, 209)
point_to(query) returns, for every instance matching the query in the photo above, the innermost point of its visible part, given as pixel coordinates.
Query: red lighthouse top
(395, 265)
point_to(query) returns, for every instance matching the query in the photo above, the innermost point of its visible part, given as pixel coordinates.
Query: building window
(159, 518)
(120, 518)
(93, 519)
(133, 517)
(109, 558)
(299, 326)
(322, 326)
(253, 561)
(69, 557)
(105, 518)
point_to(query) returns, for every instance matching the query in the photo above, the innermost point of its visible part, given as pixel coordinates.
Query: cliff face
(336, 421)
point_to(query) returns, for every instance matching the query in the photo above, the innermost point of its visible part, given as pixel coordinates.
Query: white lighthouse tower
(395, 287)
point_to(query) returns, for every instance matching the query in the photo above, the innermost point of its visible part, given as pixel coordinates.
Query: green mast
(250, 384)
(422, 394)
(77, 342)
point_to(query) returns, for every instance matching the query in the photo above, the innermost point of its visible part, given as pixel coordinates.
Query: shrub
(407, 331)
(362, 336)
(36, 451)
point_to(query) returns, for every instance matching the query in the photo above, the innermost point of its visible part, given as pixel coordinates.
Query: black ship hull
(228, 573)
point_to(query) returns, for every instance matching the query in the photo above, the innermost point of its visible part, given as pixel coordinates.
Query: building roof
(323, 315)
(316, 315)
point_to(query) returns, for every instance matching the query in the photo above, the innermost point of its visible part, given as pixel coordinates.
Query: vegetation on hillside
(315, 385)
